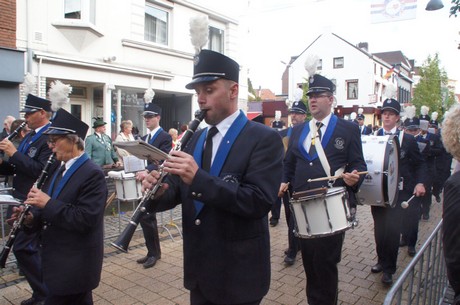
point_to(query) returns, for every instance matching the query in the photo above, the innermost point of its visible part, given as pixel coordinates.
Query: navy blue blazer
(163, 141)
(27, 166)
(344, 149)
(227, 245)
(72, 232)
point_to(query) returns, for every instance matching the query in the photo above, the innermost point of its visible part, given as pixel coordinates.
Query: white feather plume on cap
(434, 116)
(410, 112)
(311, 64)
(390, 91)
(424, 110)
(59, 94)
(29, 84)
(353, 115)
(149, 95)
(199, 31)
(360, 110)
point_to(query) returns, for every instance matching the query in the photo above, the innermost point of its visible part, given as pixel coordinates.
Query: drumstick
(333, 177)
(405, 204)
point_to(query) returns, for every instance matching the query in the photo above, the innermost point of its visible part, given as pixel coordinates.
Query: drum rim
(386, 198)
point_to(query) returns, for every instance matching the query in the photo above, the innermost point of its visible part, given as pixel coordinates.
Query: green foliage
(432, 90)
(454, 8)
(254, 96)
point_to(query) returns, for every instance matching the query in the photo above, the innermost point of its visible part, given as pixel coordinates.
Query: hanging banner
(392, 10)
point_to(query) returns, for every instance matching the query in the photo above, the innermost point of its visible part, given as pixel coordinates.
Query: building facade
(110, 52)
(361, 78)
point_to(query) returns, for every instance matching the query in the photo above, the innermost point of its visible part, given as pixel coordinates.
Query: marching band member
(160, 139)
(69, 214)
(342, 146)
(26, 163)
(226, 196)
(387, 221)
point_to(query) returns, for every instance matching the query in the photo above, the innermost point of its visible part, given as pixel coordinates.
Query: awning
(253, 115)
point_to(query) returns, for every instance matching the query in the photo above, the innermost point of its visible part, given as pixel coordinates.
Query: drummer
(387, 221)
(341, 142)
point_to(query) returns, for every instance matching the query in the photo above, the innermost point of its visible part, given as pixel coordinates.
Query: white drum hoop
(334, 214)
(381, 184)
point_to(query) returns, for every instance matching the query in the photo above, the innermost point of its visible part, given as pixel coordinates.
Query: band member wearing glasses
(341, 142)
(226, 180)
(69, 214)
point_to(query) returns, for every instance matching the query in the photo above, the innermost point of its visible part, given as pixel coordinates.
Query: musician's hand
(117, 164)
(16, 212)
(351, 179)
(8, 147)
(37, 198)
(419, 190)
(140, 176)
(150, 181)
(181, 164)
(283, 188)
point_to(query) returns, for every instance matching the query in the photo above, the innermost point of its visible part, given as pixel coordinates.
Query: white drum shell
(321, 215)
(380, 186)
(126, 185)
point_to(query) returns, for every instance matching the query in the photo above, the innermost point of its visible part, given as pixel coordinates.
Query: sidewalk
(126, 282)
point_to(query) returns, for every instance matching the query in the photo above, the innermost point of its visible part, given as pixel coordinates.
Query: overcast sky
(279, 29)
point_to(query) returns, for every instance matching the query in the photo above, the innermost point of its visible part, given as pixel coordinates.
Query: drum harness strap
(323, 159)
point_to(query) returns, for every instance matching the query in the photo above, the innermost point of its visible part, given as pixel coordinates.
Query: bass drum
(381, 184)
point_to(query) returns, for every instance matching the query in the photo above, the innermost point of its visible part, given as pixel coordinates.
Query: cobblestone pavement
(126, 282)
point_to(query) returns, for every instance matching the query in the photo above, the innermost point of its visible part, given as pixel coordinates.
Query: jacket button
(197, 222)
(45, 227)
(193, 194)
(198, 195)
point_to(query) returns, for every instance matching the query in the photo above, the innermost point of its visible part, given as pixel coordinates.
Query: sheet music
(8, 199)
(142, 150)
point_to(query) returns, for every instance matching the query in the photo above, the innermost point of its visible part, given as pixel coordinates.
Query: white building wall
(59, 49)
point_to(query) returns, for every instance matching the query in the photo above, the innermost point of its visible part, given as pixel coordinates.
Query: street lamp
(434, 5)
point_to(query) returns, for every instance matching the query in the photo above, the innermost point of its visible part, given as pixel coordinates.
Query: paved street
(126, 282)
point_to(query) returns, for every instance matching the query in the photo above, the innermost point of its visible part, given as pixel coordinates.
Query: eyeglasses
(317, 96)
(54, 139)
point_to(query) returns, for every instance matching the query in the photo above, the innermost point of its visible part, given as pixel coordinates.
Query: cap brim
(149, 113)
(390, 108)
(317, 90)
(297, 111)
(58, 131)
(27, 109)
(201, 79)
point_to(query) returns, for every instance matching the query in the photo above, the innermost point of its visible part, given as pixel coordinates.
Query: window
(352, 89)
(338, 62)
(320, 65)
(156, 25)
(216, 40)
(84, 10)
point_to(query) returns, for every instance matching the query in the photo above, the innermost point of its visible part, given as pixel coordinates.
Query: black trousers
(27, 251)
(387, 230)
(150, 229)
(320, 257)
(197, 298)
(84, 298)
(411, 218)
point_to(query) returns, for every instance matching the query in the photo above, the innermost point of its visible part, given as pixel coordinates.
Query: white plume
(353, 115)
(434, 116)
(149, 95)
(410, 112)
(311, 64)
(424, 110)
(390, 91)
(29, 84)
(59, 94)
(199, 31)
(360, 110)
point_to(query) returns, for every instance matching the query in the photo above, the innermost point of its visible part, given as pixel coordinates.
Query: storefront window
(132, 107)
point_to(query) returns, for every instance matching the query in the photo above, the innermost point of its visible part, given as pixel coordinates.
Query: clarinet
(16, 131)
(122, 242)
(17, 225)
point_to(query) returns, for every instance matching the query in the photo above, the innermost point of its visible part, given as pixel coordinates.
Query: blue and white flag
(392, 10)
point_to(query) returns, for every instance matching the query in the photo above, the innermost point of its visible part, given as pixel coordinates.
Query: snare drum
(320, 212)
(380, 186)
(126, 185)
